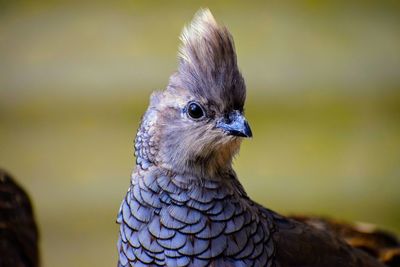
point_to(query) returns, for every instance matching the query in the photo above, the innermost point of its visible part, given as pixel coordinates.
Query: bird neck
(145, 143)
(177, 186)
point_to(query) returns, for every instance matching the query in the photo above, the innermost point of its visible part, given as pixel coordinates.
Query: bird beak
(235, 124)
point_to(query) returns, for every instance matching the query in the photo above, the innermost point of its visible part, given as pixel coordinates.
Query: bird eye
(195, 111)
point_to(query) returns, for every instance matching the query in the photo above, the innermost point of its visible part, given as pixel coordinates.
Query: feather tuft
(208, 65)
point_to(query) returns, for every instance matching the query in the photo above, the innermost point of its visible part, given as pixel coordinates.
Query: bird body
(169, 219)
(185, 205)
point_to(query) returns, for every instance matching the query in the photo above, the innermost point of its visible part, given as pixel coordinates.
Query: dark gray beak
(235, 124)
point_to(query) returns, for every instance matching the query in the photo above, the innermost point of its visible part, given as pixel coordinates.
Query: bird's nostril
(228, 119)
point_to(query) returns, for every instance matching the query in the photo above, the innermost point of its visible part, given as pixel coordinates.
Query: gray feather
(176, 242)
(158, 230)
(184, 214)
(194, 246)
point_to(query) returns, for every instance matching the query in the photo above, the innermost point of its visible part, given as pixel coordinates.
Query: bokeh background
(323, 82)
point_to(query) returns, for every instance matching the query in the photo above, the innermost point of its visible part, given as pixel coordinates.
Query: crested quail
(185, 205)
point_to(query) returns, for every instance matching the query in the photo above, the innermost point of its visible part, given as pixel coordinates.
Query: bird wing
(382, 245)
(300, 245)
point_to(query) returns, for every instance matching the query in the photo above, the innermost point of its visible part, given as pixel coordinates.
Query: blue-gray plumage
(185, 205)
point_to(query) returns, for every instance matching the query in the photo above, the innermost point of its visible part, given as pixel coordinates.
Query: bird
(185, 205)
(19, 235)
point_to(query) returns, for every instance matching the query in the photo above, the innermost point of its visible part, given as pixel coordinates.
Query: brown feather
(18, 231)
(380, 244)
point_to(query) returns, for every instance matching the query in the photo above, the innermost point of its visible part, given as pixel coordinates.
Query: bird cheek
(222, 139)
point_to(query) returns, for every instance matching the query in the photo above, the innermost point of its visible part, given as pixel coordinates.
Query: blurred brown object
(381, 244)
(18, 230)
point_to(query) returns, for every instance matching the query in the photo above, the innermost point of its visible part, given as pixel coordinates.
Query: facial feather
(207, 75)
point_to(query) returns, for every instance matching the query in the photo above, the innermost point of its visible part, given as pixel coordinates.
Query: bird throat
(212, 163)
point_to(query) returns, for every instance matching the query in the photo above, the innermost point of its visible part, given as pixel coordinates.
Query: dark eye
(195, 111)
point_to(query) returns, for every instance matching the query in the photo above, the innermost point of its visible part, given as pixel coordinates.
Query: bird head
(196, 124)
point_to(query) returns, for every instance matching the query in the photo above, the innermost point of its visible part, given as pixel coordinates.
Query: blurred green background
(323, 82)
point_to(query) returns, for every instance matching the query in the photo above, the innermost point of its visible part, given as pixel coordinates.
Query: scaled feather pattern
(185, 205)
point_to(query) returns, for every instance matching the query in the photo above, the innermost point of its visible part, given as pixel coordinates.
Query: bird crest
(207, 63)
